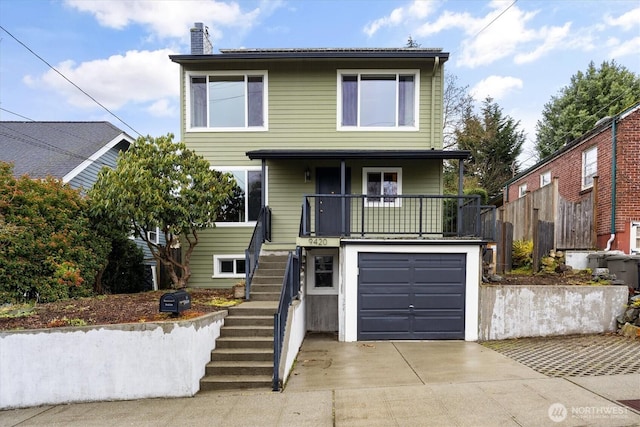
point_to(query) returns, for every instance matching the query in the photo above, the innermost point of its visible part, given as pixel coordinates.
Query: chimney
(200, 43)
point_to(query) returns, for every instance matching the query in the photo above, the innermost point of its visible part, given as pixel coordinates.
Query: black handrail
(403, 215)
(290, 290)
(261, 232)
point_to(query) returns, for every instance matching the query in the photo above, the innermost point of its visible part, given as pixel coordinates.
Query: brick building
(605, 160)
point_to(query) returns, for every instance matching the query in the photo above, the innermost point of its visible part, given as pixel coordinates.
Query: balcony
(406, 216)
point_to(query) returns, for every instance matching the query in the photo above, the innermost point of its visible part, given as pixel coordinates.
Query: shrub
(125, 272)
(48, 248)
(522, 255)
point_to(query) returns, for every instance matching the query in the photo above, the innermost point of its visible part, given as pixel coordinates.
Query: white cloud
(553, 37)
(626, 21)
(172, 18)
(627, 48)
(496, 87)
(163, 108)
(418, 9)
(138, 77)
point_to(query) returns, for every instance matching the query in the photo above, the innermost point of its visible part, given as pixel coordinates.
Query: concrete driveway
(436, 383)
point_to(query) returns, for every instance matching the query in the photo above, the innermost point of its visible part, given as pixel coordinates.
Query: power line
(68, 80)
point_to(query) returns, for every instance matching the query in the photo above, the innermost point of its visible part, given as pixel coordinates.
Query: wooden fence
(550, 221)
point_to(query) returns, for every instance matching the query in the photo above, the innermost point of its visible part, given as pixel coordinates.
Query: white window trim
(216, 266)
(416, 101)
(542, 175)
(584, 165)
(397, 203)
(157, 233)
(225, 169)
(522, 190)
(635, 233)
(311, 275)
(187, 106)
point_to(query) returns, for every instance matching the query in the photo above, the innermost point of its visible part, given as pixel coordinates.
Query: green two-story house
(338, 153)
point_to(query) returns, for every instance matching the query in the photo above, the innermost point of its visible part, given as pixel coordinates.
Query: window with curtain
(377, 100)
(227, 101)
(381, 185)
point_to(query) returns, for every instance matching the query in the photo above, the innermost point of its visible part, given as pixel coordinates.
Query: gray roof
(40, 149)
(317, 54)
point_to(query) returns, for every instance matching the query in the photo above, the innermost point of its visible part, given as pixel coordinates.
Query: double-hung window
(522, 190)
(243, 207)
(589, 166)
(378, 100)
(227, 101)
(381, 185)
(545, 179)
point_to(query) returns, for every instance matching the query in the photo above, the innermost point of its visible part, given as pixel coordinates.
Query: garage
(411, 296)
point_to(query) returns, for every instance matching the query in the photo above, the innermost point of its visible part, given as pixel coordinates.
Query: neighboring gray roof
(317, 53)
(358, 154)
(40, 149)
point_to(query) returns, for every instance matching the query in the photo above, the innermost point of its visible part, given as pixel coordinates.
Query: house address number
(318, 242)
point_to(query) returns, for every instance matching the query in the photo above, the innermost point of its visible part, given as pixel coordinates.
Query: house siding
(302, 105)
(567, 168)
(302, 101)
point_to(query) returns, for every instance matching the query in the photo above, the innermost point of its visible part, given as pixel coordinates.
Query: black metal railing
(290, 290)
(261, 232)
(401, 216)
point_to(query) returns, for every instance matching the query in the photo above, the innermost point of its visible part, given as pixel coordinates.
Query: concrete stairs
(243, 357)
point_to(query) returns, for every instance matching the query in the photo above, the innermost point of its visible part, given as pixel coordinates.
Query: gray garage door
(411, 296)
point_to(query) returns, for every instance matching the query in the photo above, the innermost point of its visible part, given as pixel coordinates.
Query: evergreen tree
(592, 95)
(495, 142)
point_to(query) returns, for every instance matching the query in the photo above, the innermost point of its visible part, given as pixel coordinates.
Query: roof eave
(255, 56)
(356, 154)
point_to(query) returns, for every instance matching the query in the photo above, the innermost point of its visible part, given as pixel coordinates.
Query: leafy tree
(495, 143)
(592, 95)
(161, 183)
(49, 247)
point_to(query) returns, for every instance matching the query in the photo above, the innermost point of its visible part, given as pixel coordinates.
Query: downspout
(613, 183)
(436, 62)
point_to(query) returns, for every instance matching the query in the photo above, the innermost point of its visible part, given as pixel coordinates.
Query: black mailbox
(175, 302)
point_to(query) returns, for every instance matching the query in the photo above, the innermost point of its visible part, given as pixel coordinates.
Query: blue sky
(520, 53)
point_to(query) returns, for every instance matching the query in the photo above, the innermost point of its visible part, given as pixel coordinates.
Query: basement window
(323, 268)
(228, 266)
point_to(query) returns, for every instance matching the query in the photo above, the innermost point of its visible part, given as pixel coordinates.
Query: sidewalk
(438, 383)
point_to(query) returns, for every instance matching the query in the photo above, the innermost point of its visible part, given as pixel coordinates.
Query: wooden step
(259, 287)
(265, 296)
(242, 354)
(250, 309)
(246, 331)
(250, 367)
(232, 382)
(248, 321)
(245, 342)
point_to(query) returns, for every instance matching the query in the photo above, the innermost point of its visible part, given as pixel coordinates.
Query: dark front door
(328, 207)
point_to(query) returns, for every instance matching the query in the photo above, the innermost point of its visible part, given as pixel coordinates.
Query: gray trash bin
(618, 264)
(596, 260)
(632, 266)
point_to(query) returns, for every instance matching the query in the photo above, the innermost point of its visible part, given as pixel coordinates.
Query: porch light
(307, 175)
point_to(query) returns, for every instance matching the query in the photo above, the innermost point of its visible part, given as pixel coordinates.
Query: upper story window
(522, 190)
(381, 184)
(243, 208)
(154, 235)
(589, 166)
(545, 178)
(227, 101)
(378, 100)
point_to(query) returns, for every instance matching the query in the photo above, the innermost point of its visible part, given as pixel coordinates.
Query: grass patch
(14, 311)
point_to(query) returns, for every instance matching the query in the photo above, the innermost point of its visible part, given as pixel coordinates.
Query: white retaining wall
(513, 311)
(112, 362)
